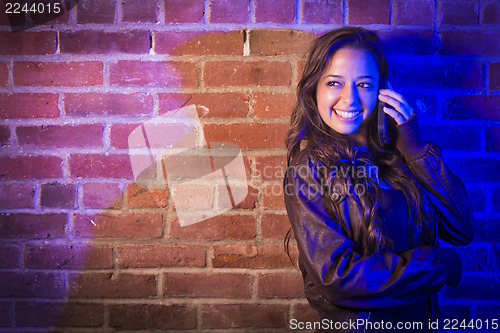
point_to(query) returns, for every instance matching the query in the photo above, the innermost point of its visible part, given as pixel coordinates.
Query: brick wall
(84, 247)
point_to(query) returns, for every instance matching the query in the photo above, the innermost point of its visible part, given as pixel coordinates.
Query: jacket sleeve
(445, 190)
(347, 279)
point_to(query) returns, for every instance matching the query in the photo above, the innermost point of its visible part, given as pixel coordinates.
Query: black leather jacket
(343, 285)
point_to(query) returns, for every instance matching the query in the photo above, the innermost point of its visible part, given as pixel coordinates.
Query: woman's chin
(346, 130)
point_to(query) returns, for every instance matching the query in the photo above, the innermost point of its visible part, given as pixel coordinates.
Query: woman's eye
(333, 83)
(365, 85)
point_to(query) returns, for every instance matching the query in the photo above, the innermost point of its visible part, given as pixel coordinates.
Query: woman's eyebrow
(359, 77)
(332, 75)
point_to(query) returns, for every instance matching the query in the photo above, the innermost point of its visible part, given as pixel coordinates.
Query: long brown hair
(330, 148)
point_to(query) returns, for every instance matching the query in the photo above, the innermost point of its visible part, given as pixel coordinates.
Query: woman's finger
(395, 115)
(404, 109)
(393, 94)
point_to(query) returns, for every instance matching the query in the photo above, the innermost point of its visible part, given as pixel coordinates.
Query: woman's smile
(344, 115)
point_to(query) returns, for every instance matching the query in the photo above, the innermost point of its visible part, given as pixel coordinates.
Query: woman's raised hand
(400, 110)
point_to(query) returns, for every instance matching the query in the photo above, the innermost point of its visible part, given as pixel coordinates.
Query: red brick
(495, 75)
(272, 196)
(476, 258)
(406, 41)
(102, 195)
(269, 105)
(6, 313)
(68, 255)
(139, 197)
(459, 12)
(493, 139)
(198, 43)
(251, 256)
(56, 195)
(45, 314)
(27, 43)
(280, 42)
(248, 73)
(280, 285)
(448, 75)
(152, 316)
(248, 136)
(277, 11)
(154, 73)
(275, 225)
(16, 195)
(119, 135)
(249, 202)
(184, 11)
(373, 12)
(4, 74)
(26, 167)
(87, 104)
(29, 105)
(244, 315)
(143, 11)
(96, 11)
(483, 169)
(185, 195)
(195, 195)
(82, 314)
(103, 42)
(270, 167)
(472, 107)
(229, 11)
(157, 255)
(105, 285)
(491, 12)
(218, 227)
(55, 74)
(192, 197)
(207, 285)
(470, 43)
(57, 136)
(300, 69)
(214, 104)
(24, 225)
(477, 197)
(416, 12)
(4, 136)
(32, 284)
(11, 256)
(305, 313)
(326, 12)
(478, 286)
(100, 166)
(486, 230)
(140, 225)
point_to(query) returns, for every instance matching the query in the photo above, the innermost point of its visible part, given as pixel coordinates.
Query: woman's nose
(348, 94)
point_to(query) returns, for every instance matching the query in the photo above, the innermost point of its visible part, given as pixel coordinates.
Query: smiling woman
(368, 256)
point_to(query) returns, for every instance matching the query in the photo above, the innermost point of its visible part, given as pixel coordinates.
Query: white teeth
(346, 115)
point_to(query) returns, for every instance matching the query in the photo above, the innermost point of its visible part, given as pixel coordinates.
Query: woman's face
(347, 92)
